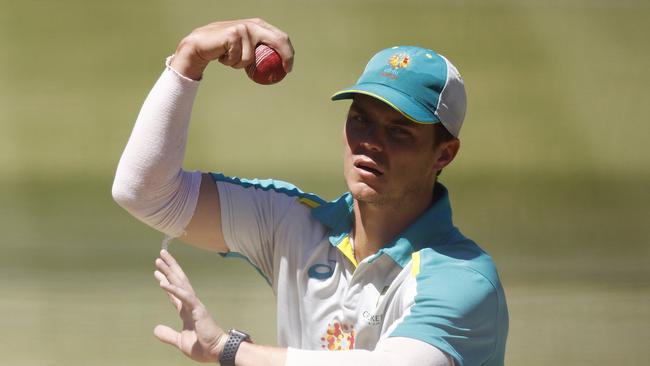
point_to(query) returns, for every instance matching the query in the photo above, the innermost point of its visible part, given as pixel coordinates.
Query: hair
(440, 135)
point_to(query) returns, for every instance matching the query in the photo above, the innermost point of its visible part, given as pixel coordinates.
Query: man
(381, 272)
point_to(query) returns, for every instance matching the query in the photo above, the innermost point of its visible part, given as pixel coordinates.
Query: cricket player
(380, 274)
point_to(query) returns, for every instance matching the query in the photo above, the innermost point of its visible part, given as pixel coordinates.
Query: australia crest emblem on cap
(399, 60)
(396, 62)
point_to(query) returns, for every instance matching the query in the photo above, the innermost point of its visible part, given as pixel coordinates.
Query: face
(388, 159)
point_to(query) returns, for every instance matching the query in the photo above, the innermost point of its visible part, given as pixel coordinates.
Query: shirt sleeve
(253, 212)
(389, 352)
(455, 309)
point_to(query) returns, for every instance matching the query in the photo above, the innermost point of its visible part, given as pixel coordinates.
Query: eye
(399, 131)
(357, 119)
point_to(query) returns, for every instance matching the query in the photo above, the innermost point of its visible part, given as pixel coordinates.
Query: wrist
(234, 339)
(187, 62)
(220, 344)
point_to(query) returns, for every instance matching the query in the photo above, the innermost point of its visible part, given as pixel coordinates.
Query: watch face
(235, 332)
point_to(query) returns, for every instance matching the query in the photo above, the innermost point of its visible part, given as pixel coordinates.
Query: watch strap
(235, 338)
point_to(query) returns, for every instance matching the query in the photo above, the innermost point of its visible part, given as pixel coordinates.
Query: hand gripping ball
(267, 68)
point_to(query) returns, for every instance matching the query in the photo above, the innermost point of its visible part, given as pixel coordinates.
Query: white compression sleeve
(389, 352)
(149, 181)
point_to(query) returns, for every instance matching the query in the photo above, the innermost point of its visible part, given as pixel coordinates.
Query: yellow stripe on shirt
(415, 264)
(308, 202)
(345, 246)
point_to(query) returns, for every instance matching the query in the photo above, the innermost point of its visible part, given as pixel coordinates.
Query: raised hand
(230, 42)
(201, 339)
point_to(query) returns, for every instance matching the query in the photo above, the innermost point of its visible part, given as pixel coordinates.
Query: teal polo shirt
(430, 283)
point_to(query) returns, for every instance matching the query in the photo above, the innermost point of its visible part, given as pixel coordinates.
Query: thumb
(167, 335)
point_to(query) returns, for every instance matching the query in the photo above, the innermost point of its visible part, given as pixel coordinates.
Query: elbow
(154, 206)
(124, 193)
(120, 195)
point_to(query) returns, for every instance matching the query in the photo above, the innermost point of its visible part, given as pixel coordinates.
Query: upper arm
(204, 230)
(242, 217)
(456, 310)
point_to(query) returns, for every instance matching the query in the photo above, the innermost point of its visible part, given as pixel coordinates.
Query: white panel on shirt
(335, 307)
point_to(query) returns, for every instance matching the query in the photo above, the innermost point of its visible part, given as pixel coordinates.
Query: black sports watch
(235, 337)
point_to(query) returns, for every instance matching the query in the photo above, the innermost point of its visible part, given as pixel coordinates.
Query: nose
(371, 139)
(363, 136)
(372, 145)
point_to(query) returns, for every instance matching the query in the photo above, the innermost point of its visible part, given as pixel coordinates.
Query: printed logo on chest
(372, 319)
(338, 337)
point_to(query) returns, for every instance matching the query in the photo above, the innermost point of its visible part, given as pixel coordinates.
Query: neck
(376, 225)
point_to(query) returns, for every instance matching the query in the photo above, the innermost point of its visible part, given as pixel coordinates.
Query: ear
(445, 153)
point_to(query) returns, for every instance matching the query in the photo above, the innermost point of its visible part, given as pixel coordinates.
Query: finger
(171, 262)
(247, 52)
(171, 279)
(162, 267)
(160, 277)
(186, 297)
(233, 47)
(264, 24)
(175, 277)
(174, 300)
(167, 335)
(282, 45)
(279, 41)
(174, 268)
(288, 63)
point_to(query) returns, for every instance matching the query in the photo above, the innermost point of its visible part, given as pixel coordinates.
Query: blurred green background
(552, 178)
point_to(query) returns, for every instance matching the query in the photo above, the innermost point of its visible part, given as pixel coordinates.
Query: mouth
(369, 167)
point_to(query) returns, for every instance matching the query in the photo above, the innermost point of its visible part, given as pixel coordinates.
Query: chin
(363, 192)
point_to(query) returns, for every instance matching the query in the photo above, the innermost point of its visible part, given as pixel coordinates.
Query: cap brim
(401, 102)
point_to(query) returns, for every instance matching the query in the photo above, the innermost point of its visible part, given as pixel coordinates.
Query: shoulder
(461, 271)
(461, 257)
(463, 279)
(271, 185)
(267, 194)
(458, 305)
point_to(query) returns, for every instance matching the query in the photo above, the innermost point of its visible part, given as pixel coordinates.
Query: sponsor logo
(321, 271)
(338, 337)
(372, 319)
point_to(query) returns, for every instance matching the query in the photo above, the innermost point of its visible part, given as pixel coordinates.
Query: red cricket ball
(267, 68)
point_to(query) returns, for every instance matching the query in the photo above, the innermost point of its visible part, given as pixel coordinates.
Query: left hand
(201, 339)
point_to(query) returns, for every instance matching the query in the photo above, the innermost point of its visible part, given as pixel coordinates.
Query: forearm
(393, 351)
(149, 181)
(250, 354)
(160, 133)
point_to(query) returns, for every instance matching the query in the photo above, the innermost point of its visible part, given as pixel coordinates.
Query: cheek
(346, 153)
(348, 136)
(347, 148)
(413, 162)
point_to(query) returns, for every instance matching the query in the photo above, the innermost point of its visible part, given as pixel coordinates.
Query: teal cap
(419, 83)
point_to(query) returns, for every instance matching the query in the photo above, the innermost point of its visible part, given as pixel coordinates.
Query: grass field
(552, 178)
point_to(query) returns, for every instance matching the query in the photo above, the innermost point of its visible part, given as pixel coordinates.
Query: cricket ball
(267, 68)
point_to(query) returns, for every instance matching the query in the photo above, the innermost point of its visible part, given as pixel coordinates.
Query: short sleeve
(455, 309)
(252, 212)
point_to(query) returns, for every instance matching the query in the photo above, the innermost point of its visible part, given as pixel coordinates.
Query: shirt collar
(430, 229)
